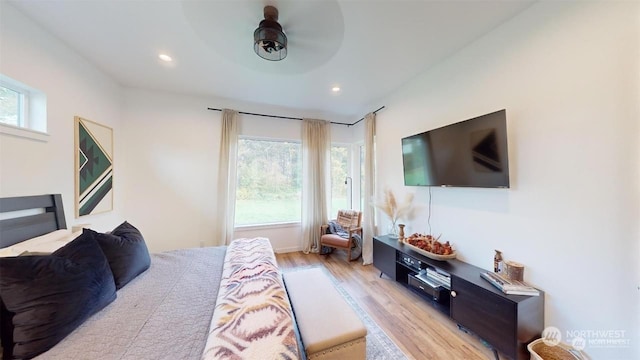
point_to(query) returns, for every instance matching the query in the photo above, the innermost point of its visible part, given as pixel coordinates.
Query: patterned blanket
(252, 318)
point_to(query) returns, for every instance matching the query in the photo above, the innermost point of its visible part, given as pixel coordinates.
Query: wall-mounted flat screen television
(470, 153)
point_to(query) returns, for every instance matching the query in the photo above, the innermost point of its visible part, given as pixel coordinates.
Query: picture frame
(93, 167)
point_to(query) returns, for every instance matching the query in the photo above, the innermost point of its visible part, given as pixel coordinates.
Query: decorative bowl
(431, 255)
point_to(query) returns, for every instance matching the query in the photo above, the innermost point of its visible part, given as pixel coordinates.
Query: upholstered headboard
(47, 216)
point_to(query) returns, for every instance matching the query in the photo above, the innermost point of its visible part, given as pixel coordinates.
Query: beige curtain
(227, 177)
(316, 144)
(368, 213)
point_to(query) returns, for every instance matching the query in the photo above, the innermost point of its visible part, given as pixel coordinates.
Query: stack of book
(509, 287)
(434, 277)
(440, 277)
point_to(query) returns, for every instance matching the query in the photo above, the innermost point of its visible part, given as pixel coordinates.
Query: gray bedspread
(162, 314)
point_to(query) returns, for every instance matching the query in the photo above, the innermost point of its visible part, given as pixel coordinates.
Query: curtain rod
(294, 118)
(375, 112)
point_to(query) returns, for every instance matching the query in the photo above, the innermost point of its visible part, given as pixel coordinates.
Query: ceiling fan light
(269, 42)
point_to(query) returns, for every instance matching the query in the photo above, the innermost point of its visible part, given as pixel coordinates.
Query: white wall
(171, 161)
(73, 87)
(172, 149)
(568, 75)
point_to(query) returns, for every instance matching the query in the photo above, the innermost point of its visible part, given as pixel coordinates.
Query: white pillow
(46, 243)
(6, 252)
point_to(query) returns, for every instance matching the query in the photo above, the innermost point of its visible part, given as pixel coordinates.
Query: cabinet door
(384, 258)
(490, 316)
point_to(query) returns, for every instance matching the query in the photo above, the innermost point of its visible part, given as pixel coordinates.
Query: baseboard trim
(287, 250)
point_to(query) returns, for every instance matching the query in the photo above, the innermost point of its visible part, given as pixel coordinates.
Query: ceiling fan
(270, 42)
(314, 30)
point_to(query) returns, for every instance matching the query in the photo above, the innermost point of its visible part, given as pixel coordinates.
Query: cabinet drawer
(433, 291)
(490, 316)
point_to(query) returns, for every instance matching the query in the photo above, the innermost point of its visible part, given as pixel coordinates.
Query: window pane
(339, 173)
(9, 106)
(268, 182)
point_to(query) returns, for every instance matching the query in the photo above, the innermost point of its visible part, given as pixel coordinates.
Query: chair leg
(321, 245)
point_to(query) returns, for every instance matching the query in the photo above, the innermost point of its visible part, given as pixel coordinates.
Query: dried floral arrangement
(390, 207)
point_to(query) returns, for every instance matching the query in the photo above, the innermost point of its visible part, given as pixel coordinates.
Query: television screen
(469, 153)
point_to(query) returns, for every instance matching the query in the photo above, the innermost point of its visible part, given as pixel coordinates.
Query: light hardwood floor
(419, 330)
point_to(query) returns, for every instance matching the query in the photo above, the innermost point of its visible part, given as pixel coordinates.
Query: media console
(506, 322)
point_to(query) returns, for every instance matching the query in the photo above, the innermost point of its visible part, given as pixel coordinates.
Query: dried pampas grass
(391, 208)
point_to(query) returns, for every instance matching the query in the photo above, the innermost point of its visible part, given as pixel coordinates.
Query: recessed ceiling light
(165, 57)
(335, 89)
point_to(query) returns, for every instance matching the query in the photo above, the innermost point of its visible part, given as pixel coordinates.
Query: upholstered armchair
(351, 222)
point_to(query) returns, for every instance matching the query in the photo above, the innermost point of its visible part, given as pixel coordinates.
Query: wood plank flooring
(419, 330)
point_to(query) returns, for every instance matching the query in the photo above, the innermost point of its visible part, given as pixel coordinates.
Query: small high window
(23, 110)
(12, 107)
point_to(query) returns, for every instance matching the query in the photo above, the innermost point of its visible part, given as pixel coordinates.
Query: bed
(207, 303)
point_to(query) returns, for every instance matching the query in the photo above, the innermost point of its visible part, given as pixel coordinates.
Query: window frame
(350, 190)
(32, 103)
(23, 101)
(359, 155)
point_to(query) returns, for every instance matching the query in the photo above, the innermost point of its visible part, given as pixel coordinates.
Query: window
(362, 177)
(12, 107)
(269, 176)
(23, 110)
(341, 182)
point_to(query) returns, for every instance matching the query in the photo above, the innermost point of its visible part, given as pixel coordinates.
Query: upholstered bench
(329, 327)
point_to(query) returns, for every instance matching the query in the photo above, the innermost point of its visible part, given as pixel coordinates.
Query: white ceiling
(368, 48)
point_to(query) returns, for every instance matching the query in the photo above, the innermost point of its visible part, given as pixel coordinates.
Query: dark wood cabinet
(485, 313)
(506, 322)
(384, 258)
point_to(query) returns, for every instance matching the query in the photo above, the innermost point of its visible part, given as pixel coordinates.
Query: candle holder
(401, 232)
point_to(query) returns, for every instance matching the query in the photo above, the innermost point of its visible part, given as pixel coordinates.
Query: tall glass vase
(393, 229)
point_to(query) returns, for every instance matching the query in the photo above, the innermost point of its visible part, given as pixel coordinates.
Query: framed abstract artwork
(93, 167)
